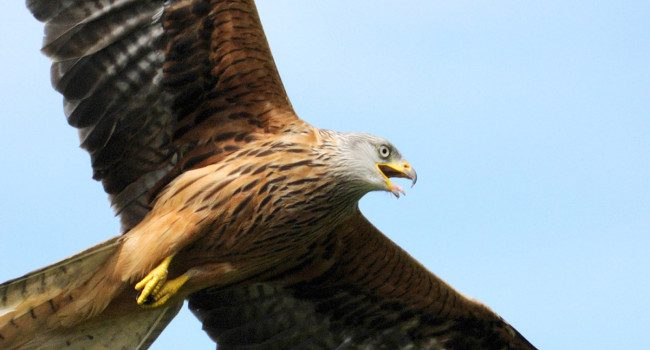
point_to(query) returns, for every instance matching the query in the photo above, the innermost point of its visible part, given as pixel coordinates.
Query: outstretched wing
(156, 87)
(160, 86)
(375, 296)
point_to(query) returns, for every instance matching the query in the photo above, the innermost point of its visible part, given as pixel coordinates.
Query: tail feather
(17, 296)
(35, 303)
(135, 331)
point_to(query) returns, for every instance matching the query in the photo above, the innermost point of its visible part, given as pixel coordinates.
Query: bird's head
(370, 161)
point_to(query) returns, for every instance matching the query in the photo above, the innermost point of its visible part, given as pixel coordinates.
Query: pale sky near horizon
(528, 124)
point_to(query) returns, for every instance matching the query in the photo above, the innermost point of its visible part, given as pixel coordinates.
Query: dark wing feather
(154, 86)
(107, 62)
(374, 297)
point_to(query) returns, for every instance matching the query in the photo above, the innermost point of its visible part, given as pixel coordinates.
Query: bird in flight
(226, 198)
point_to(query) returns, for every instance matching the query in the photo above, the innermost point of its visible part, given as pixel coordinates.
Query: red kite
(226, 198)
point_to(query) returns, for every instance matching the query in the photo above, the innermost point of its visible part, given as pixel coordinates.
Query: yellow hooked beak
(397, 169)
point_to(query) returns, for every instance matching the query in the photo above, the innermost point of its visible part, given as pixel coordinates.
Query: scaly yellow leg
(154, 288)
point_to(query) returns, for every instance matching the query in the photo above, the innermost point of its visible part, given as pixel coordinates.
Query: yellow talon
(167, 291)
(154, 288)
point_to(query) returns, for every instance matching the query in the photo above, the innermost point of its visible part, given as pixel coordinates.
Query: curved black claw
(150, 299)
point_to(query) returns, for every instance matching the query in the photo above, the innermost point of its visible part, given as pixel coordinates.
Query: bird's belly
(262, 225)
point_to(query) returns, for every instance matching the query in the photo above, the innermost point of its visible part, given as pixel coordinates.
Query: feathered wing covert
(376, 296)
(182, 110)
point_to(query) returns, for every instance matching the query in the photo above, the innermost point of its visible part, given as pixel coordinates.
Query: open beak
(400, 169)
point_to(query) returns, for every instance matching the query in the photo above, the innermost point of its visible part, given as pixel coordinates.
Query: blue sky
(528, 124)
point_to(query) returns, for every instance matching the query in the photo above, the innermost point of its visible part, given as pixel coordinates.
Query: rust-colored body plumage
(222, 187)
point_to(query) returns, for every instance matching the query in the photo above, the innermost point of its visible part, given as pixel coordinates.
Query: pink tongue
(397, 189)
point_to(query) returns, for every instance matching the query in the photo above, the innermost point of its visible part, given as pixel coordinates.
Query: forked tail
(57, 307)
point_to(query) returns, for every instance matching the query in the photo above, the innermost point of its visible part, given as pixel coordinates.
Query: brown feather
(150, 83)
(183, 112)
(374, 297)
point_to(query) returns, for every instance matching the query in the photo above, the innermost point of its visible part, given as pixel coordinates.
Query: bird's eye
(384, 151)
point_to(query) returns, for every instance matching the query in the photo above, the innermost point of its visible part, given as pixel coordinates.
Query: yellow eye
(384, 151)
